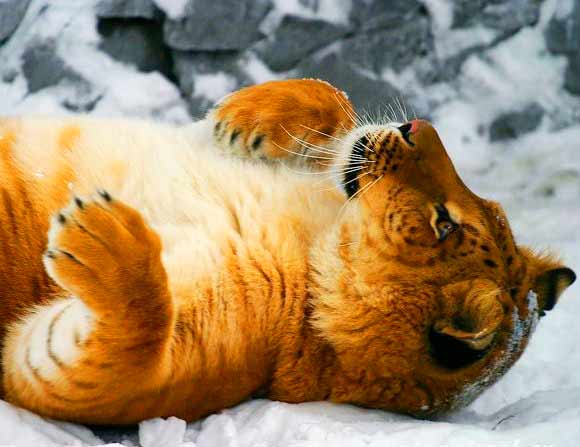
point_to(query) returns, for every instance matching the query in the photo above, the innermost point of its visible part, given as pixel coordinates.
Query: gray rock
(572, 75)
(563, 37)
(464, 12)
(507, 16)
(513, 124)
(368, 15)
(558, 37)
(136, 42)
(295, 38)
(125, 434)
(217, 25)
(366, 93)
(43, 68)
(391, 47)
(11, 14)
(127, 9)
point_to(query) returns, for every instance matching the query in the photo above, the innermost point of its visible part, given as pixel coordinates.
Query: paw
(101, 250)
(300, 119)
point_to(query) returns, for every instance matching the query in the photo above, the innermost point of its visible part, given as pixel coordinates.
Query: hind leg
(105, 343)
(281, 120)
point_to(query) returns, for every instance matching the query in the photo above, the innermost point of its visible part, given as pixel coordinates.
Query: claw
(105, 195)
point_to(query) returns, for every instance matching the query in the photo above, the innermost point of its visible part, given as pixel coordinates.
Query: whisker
(358, 193)
(310, 145)
(366, 189)
(335, 186)
(413, 111)
(321, 133)
(301, 155)
(353, 114)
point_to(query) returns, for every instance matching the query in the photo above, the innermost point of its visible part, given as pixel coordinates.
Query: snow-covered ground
(536, 177)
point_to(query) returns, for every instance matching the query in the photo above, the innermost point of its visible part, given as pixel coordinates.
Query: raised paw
(101, 250)
(283, 119)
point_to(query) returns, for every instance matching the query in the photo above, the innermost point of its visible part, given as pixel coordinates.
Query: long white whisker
(360, 192)
(353, 115)
(310, 145)
(301, 155)
(333, 175)
(321, 133)
(349, 200)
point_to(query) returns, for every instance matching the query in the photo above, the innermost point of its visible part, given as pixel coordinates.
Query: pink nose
(414, 126)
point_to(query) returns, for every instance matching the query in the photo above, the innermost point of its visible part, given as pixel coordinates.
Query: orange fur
(354, 302)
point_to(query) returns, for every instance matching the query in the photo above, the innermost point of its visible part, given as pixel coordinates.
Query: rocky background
(207, 48)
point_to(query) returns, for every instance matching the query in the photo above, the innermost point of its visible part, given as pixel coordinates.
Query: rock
(127, 9)
(464, 12)
(11, 14)
(563, 37)
(507, 16)
(43, 68)
(295, 38)
(137, 42)
(368, 15)
(511, 125)
(572, 75)
(391, 47)
(211, 25)
(366, 93)
(558, 37)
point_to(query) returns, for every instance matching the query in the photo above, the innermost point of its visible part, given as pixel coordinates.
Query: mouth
(385, 141)
(356, 164)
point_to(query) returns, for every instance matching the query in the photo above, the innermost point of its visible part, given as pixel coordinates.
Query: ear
(550, 284)
(473, 317)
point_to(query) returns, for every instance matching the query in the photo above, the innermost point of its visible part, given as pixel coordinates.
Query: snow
(333, 11)
(175, 9)
(536, 179)
(214, 86)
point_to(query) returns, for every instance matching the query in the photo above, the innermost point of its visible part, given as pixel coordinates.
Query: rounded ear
(550, 284)
(473, 316)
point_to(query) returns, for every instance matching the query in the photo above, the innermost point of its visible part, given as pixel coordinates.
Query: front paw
(298, 119)
(100, 250)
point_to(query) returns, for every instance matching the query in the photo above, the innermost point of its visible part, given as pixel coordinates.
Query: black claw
(61, 218)
(79, 203)
(217, 128)
(235, 134)
(105, 195)
(256, 143)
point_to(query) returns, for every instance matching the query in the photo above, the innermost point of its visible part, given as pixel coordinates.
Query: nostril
(405, 130)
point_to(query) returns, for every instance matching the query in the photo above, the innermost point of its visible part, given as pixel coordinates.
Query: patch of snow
(162, 432)
(174, 9)
(334, 11)
(258, 71)
(441, 11)
(214, 86)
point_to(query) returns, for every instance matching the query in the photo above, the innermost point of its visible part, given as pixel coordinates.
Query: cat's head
(424, 294)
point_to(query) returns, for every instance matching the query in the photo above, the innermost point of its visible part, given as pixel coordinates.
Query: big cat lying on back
(151, 270)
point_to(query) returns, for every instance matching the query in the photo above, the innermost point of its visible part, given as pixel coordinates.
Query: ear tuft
(550, 285)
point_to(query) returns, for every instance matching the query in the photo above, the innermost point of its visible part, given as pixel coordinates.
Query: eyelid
(441, 214)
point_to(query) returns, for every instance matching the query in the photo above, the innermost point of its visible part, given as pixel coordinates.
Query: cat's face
(434, 301)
